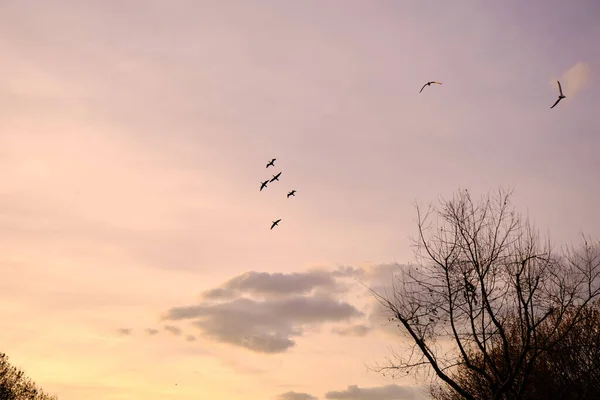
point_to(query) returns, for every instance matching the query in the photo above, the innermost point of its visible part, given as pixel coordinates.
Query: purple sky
(134, 137)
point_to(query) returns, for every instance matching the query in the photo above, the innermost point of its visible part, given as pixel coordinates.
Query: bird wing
(422, 88)
(555, 103)
(560, 88)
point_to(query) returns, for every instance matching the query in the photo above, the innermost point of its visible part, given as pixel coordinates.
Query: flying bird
(292, 193)
(275, 223)
(429, 84)
(560, 97)
(275, 177)
(271, 163)
(263, 185)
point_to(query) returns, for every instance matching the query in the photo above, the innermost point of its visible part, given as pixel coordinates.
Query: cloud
(284, 305)
(295, 396)
(574, 79)
(272, 285)
(151, 331)
(173, 329)
(355, 330)
(190, 338)
(124, 331)
(264, 312)
(389, 392)
(263, 326)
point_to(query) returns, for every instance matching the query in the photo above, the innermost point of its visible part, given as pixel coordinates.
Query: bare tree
(487, 296)
(569, 370)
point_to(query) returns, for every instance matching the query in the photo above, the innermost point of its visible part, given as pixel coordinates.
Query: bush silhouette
(15, 385)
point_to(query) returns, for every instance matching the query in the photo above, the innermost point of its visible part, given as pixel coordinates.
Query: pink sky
(134, 137)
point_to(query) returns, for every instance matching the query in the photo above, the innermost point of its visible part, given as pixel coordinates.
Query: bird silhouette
(429, 84)
(275, 223)
(263, 185)
(271, 163)
(560, 96)
(292, 193)
(275, 177)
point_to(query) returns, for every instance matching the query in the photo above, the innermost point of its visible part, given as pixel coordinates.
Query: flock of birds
(273, 179)
(293, 192)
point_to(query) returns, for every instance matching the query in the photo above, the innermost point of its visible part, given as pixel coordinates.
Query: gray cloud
(355, 330)
(267, 325)
(173, 330)
(263, 326)
(124, 331)
(388, 392)
(151, 331)
(295, 396)
(272, 285)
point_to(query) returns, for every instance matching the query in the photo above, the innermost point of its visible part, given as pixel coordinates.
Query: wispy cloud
(576, 78)
(355, 330)
(124, 331)
(190, 338)
(173, 330)
(151, 331)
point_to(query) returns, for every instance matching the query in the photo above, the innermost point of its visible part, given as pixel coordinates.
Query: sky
(136, 257)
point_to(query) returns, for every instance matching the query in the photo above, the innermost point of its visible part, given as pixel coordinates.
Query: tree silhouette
(14, 385)
(569, 370)
(488, 303)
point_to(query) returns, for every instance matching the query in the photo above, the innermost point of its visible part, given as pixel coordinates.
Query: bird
(429, 84)
(263, 184)
(271, 163)
(275, 177)
(292, 193)
(275, 223)
(560, 97)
